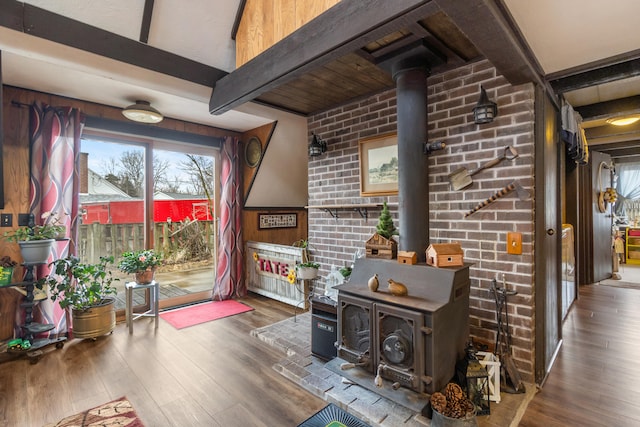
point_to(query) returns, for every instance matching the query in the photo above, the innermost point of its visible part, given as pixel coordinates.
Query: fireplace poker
(503, 335)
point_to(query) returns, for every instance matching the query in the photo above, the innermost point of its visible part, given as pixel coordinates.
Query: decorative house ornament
(407, 257)
(445, 255)
(381, 247)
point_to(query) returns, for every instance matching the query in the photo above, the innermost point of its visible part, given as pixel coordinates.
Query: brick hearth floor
(293, 337)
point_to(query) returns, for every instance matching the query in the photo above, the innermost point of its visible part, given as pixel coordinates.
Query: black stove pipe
(410, 75)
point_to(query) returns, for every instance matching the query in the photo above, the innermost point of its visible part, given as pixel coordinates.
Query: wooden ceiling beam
(145, 26)
(484, 23)
(51, 26)
(604, 110)
(342, 29)
(603, 74)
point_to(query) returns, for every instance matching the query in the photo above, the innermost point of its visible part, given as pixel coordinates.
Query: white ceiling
(562, 34)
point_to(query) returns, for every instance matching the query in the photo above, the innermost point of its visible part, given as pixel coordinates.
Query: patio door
(138, 194)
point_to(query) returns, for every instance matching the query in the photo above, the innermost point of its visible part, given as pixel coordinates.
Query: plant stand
(30, 327)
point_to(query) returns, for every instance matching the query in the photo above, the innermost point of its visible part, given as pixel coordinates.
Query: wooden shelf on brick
(380, 247)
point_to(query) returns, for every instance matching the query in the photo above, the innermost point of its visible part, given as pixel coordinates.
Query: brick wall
(334, 180)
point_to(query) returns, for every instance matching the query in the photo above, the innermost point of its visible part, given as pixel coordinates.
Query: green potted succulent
(87, 290)
(142, 263)
(35, 241)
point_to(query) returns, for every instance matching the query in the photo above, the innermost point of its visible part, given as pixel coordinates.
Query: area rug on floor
(332, 416)
(201, 313)
(119, 412)
(619, 284)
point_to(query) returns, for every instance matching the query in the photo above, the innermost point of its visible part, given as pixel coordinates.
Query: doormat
(332, 416)
(119, 412)
(201, 313)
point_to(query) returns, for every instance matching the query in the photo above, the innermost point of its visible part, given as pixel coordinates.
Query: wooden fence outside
(96, 240)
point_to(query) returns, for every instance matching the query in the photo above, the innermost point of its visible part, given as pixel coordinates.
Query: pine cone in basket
(438, 402)
(453, 393)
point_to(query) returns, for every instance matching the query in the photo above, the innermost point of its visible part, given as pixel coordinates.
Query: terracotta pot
(144, 277)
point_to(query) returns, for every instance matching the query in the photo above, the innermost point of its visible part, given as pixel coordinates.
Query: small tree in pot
(85, 289)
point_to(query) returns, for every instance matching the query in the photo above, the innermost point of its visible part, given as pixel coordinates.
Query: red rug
(120, 412)
(196, 314)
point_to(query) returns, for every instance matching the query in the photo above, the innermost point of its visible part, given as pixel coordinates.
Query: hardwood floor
(595, 380)
(216, 374)
(213, 374)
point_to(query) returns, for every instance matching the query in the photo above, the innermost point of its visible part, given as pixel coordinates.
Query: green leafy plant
(385, 226)
(50, 229)
(306, 260)
(79, 285)
(136, 261)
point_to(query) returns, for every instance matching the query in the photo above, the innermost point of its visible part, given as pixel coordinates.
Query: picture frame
(280, 220)
(378, 158)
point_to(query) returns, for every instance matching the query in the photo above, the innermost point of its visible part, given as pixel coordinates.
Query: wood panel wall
(266, 22)
(251, 231)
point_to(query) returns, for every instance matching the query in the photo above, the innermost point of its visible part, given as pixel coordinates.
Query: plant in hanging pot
(142, 263)
(86, 289)
(36, 240)
(307, 269)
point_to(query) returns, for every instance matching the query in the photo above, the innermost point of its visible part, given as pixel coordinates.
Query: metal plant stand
(31, 328)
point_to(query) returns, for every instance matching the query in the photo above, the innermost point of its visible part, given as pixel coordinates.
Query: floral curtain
(55, 188)
(229, 281)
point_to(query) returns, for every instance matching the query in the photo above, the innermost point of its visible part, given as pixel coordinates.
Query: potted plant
(6, 270)
(86, 289)
(35, 240)
(307, 269)
(142, 263)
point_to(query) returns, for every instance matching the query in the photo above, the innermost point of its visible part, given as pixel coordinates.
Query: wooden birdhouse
(407, 257)
(445, 255)
(381, 247)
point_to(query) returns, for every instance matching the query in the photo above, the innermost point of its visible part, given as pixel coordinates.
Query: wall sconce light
(317, 146)
(485, 110)
(142, 112)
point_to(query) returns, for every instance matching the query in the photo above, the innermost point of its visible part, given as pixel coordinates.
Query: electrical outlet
(6, 220)
(23, 219)
(514, 243)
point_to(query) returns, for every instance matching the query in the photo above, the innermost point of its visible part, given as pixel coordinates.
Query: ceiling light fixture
(623, 120)
(142, 112)
(485, 110)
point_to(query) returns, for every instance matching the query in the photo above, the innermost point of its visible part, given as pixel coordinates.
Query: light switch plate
(514, 243)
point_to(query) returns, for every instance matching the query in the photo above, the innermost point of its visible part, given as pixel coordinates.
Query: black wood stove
(412, 341)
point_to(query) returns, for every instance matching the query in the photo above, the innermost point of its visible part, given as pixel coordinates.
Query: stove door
(399, 345)
(355, 333)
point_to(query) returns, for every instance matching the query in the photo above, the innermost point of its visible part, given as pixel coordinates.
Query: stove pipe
(410, 75)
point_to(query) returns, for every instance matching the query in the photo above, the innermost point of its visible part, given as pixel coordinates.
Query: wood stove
(412, 341)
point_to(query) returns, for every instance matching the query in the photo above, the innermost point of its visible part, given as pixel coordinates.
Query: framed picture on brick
(378, 165)
(283, 220)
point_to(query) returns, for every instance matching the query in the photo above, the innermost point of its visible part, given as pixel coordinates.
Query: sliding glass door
(137, 194)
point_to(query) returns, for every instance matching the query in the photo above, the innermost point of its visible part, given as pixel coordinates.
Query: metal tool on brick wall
(461, 178)
(523, 194)
(503, 338)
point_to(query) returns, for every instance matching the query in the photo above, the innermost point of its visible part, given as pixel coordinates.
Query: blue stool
(155, 298)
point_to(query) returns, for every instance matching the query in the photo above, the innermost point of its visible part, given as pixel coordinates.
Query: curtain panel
(229, 281)
(54, 150)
